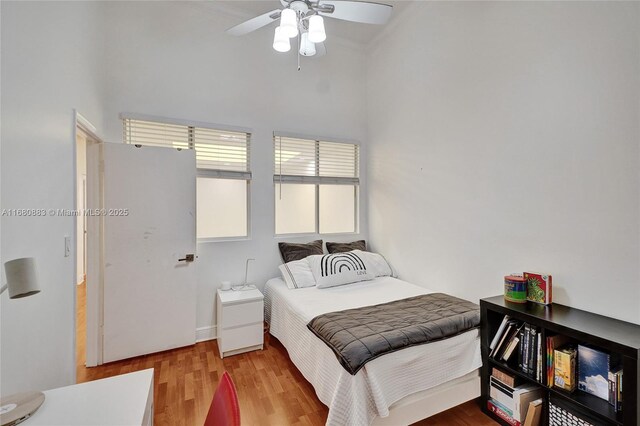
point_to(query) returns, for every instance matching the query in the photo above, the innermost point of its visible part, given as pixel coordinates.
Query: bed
(397, 388)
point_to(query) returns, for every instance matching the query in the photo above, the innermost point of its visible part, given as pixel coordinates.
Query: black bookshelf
(621, 339)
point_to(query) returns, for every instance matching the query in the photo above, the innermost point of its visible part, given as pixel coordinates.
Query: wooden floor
(270, 388)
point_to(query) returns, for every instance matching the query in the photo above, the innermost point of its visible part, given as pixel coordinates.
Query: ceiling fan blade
(254, 23)
(355, 11)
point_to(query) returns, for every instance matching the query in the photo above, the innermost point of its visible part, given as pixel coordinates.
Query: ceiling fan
(303, 19)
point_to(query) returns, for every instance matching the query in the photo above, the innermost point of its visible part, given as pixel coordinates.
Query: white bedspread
(357, 400)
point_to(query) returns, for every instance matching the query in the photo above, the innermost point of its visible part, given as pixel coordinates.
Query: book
(593, 371)
(539, 357)
(532, 351)
(534, 413)
(502, 407)
(510, 349)
(539, 287)
(615, 388)
(495, 409)
(521, 336)
(525, 350)
(565, 368)
(618, 375)
(501, 328)
(499, 348)
(613, 392)
(505, 378)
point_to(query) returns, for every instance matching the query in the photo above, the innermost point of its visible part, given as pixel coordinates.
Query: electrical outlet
(67, 246)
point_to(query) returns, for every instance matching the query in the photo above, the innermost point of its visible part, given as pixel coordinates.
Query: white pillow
(297, 274)
(336, 269)
(376, 264)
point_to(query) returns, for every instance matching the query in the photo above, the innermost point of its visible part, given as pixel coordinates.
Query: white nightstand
(240, 321)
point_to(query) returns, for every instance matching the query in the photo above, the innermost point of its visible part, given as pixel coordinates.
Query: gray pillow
(344, 247)
(297, 251)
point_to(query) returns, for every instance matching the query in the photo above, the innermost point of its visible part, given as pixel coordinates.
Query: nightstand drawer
(243, 314)
(241, 337)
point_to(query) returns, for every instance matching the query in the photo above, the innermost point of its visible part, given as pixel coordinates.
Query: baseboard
(206, 333)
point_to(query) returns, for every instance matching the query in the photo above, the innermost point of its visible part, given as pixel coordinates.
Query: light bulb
(281, 41)
(307, 48)
(289, 23)
(316, 29)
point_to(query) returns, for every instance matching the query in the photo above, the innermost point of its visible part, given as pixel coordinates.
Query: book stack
(530, 356)
(615, 388)
(510, 401)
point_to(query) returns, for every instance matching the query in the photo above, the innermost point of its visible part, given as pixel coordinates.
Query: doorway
(85, 137)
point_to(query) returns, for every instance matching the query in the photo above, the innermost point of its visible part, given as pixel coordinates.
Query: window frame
(204, 172)
(316, 182)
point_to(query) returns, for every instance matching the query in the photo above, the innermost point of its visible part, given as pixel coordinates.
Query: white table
(123, 400)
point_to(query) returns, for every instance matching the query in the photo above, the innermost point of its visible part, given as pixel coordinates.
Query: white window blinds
(315, 161)
(219, 153)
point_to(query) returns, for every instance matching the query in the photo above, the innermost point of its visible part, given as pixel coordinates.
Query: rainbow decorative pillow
(376, 264)
(332, 270)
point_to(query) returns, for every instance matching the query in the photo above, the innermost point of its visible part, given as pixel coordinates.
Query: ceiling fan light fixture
(289, 23)
(307, 47)
(281, 41)
(316, 29)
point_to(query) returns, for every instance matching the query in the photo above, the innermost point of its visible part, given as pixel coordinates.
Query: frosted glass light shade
(307, 48)
(22, 279)
(289, 23)
(316, 29)
(281, 41)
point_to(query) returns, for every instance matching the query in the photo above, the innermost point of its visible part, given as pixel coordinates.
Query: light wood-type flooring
(271, 390)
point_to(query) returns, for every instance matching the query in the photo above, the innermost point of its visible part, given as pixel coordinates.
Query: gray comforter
(360, 335)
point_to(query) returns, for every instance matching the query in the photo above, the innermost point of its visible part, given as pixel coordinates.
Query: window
(316, 186)
(223, 176)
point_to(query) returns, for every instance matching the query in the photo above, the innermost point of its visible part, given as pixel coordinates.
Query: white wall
(50, 65)
(174, 60)
(504, 136)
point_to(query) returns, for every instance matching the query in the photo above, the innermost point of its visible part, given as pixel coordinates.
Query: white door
(149, 243)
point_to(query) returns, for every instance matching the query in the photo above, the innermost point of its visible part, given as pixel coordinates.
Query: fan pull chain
(298, 50)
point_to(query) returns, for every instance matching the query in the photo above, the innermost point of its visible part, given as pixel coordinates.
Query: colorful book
(593, 371)
(502, 414)
(553, 342)
(539, 287)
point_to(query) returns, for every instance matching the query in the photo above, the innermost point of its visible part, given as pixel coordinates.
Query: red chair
(224, 409)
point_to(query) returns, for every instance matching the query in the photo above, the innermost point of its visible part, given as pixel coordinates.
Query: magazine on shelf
(593, 371)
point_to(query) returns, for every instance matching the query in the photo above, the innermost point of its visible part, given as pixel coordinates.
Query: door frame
(93, 245)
